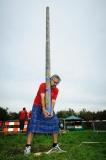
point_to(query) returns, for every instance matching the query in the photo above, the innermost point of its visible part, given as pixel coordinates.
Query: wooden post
(48, 87)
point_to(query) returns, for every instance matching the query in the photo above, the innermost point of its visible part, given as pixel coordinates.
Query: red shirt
(23, 114)
(29, 114)
(42, 89)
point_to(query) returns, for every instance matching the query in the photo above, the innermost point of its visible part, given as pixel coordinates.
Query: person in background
(29, 114)
(61, 125)
(41, 122)
(23, 115)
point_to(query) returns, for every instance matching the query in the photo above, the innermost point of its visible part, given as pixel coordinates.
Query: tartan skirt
(42, 125)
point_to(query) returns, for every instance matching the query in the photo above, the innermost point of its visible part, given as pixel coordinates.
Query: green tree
(101, 115)
(62, 114)
(4, 114)
(104, 114)
(70, 112)
(13, 116)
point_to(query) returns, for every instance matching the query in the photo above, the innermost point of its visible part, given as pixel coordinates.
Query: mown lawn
(11, 147)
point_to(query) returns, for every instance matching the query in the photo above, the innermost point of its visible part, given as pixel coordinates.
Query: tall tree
(4, 114)
(13, 116)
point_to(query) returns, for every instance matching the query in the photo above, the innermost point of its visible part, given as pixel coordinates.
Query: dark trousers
(21, 124)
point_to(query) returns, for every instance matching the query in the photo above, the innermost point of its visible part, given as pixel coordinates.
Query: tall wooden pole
(48, 87)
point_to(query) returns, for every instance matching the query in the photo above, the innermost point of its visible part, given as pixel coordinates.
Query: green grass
(11, 147)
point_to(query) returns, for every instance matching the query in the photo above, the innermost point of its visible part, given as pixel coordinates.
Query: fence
(1, 125)
(13, 126)
(98, 125)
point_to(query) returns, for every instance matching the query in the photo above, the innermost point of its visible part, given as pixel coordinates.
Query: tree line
(5, 114)
(84, 114)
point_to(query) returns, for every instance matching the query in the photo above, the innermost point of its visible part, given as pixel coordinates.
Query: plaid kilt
(41, 124)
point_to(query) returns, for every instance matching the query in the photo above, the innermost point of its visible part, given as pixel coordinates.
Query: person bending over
(40, 121)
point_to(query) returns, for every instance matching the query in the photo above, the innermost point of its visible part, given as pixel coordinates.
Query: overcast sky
(77, 48)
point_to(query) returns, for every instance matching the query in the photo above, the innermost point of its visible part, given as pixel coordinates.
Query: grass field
(11, 147)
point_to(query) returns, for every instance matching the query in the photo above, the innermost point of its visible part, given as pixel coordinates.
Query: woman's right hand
(45, 112)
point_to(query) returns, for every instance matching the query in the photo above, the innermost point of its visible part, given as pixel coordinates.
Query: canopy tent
(74, 123)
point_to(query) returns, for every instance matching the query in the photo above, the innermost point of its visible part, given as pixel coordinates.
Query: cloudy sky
(77, 48)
